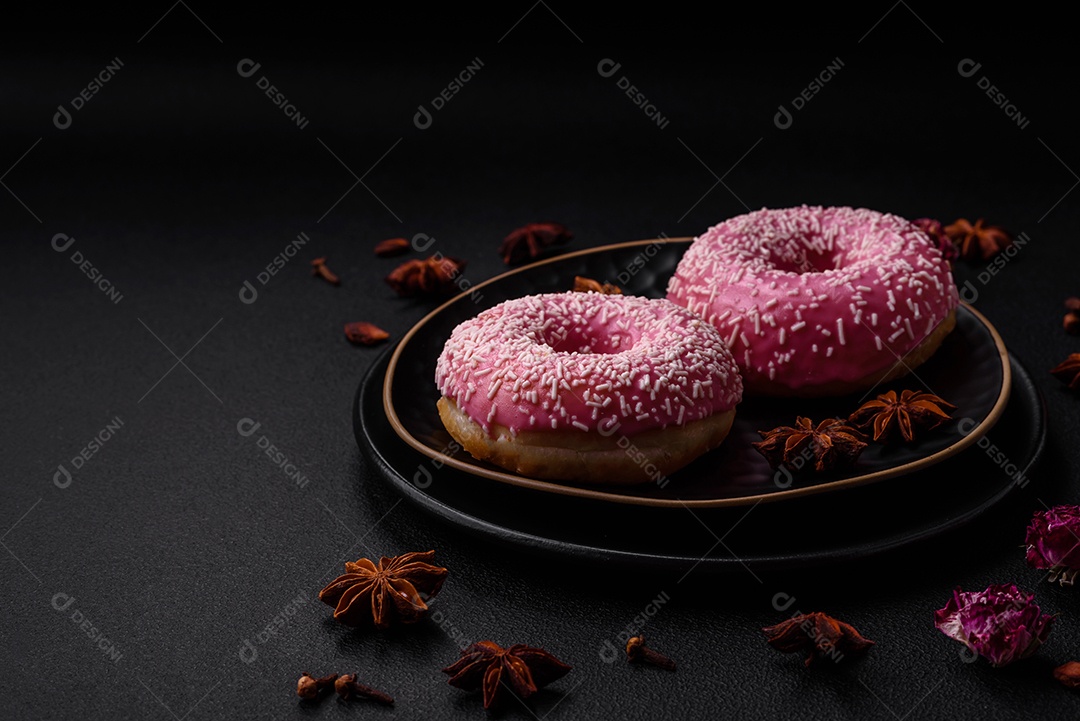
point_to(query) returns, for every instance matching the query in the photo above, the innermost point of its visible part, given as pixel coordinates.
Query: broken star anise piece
(433, 276)
(523, 669)
(529, 241)
(1068, 371)
(367, 593)
(391, 247)
(364, 333)
(588, 285)
(978, 242)
(832, 444)
(906, 413)
(819, 635)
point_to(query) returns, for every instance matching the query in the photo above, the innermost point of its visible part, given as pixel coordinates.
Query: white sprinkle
(579, 424)
(840, 330)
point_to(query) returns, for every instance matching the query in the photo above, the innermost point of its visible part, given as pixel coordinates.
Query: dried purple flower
(937, 233)
(1053, 542)
(1003, 624)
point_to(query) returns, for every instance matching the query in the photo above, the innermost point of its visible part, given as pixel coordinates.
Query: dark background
(180, 541)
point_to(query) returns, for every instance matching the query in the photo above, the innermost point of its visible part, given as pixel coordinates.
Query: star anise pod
(367, 593)
(433, 276)
(906, 413)
(1068, 371)
(529, 241)
(488, 666)
(819, 635)
(978, 242)
(588, 285)
(832, 444)
(936, 232)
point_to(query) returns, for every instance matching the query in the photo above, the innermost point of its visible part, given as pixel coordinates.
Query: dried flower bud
(1051, 543)
(309, 688)
(1003, 624)
(306, 687)
(318, 268)
(936, 232)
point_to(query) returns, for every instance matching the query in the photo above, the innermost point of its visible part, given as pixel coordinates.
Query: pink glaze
(587, 361)
(810, 295)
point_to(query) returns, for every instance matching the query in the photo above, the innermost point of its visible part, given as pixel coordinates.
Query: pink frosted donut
(819, 301)
(587, 387)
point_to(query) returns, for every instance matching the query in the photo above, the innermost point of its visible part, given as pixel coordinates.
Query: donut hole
(586, 339)
(799, 259)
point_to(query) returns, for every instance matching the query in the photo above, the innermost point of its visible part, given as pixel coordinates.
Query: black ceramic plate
(799, 532)
(971, 370)
(773, 535)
